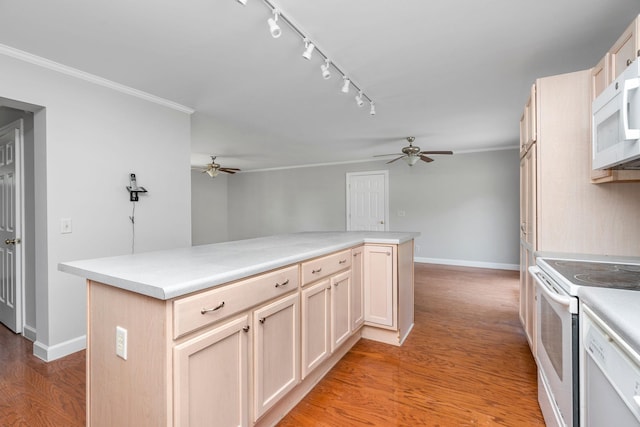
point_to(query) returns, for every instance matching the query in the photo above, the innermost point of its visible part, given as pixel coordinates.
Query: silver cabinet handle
(209, 310)
(342, 261)
(246, 328)
(262, 319)
(285, 283)
(316, 271)
(11, 241)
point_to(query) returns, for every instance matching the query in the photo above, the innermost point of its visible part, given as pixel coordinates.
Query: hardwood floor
(34, 393)
(466, 363)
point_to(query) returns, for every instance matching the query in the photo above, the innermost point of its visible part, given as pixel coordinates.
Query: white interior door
(10, 226)
(367, 201)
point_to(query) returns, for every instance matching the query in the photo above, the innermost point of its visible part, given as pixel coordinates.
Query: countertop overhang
(173, 273)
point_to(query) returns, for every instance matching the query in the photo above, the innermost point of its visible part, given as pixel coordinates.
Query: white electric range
(558, 280)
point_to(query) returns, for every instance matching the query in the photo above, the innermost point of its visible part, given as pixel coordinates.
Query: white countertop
(619, 308)
(172, 273)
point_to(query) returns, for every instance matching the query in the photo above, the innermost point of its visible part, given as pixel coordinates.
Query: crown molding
(92, 78)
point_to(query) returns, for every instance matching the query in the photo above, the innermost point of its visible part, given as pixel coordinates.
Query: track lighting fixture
(326, 73)
(274, 28)
(345, 86)
(308, 49)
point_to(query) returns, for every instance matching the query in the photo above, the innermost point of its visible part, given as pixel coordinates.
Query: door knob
(381, 222)
(11, 241)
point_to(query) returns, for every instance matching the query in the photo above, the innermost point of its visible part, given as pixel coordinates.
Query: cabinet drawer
(205, 308)
(325, 266)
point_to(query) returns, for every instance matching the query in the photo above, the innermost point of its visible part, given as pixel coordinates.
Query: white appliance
(611, 382)
(558, 334)
(616, 123)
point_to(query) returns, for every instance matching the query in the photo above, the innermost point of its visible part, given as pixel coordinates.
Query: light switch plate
(65, 225)
(121, 342)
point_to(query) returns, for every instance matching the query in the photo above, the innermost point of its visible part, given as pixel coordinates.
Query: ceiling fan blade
(426, 159)
(384, 155)
(436, 152)
(230, 169)
(397, 158)
(227, 171)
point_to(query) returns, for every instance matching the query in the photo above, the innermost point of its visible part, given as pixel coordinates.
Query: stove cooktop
(598, 274)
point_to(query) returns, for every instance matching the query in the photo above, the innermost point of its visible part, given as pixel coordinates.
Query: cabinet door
(357, 282)
(625, 50)
(276, 351)
(316, 301)
(340, 309)
(379, 284)
(211, 382)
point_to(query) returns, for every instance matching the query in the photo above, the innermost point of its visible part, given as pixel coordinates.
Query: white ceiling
(453, 73)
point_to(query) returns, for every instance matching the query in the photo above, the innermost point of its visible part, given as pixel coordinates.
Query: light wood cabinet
(316, 324)
(528, 128)
(621, 54)
(238, 354)
(211, 377)
(379, 273)
(340, 309)
(528, 221)
(388, 292)
(357, 287)
(276, 352)
(625, 49)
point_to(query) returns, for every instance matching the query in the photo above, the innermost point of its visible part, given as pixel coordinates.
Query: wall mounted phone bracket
(133, 188)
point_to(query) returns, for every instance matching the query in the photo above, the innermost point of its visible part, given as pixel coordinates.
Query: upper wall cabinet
(619, 57)
(528, 133)
(625, 49)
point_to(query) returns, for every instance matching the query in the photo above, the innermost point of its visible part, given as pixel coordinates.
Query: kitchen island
(236, 333)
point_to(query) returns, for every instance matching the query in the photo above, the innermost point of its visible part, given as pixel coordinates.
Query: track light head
(326, 73)
(372, 111)
(359, 100)
(308, 49)
(345, 86)
(242, 2)
(274, 28)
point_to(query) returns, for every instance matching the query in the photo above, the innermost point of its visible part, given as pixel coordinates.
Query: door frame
(349, 176)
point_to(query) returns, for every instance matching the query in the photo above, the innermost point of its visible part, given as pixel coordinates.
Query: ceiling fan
(412, 153)
(213, 168)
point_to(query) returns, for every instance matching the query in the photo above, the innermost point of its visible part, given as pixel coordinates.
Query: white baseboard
(29, 333)
(464, 263)
(49, 353)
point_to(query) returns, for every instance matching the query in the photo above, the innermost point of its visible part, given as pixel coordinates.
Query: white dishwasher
(611, 376)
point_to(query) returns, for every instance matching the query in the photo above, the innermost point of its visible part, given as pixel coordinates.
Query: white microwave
(616, 123)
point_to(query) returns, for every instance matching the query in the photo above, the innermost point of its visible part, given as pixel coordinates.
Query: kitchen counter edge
(177, 272)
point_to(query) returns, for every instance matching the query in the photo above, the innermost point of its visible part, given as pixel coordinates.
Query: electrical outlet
(121, 342)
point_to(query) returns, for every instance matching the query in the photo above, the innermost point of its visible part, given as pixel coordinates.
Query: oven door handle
(566, 301)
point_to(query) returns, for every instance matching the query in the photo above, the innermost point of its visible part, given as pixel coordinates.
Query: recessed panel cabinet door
(211, 377)
(316, 302)
(340, 310)
(379, 276)
(276, 351)
(357, 280)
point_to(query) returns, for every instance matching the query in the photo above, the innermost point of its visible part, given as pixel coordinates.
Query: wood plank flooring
(466, 363)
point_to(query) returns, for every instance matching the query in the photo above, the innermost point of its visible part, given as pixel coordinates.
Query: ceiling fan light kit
(213, 169)
(309, 47)
(411, 154)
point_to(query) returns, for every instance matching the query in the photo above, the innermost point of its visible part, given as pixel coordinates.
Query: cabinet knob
(629, 61)
(262, 319)
(246, 328)
(381, 222)
(209, 310)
